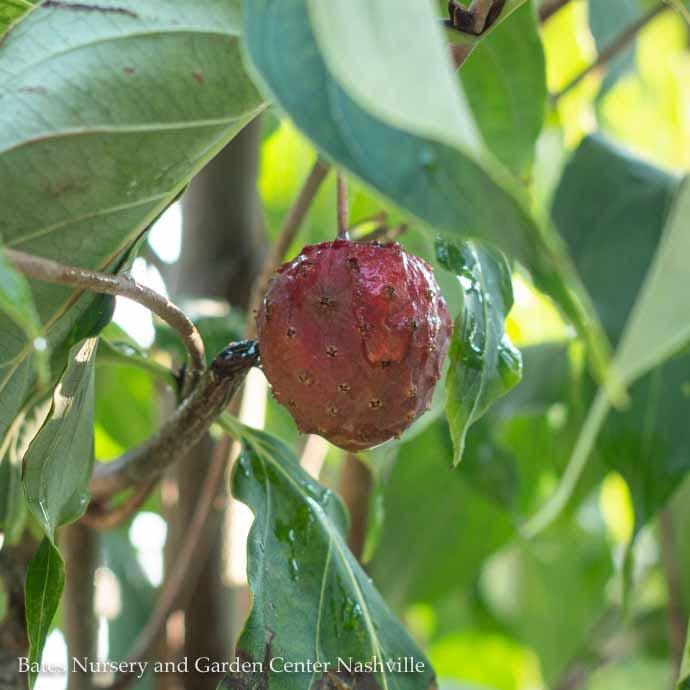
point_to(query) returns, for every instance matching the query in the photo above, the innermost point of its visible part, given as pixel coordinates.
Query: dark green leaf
(58, 463)
(354, 97)
(105, 117)
(504, 80)
(484, 364)
(45, 579)
(614, 236)
(310, 597)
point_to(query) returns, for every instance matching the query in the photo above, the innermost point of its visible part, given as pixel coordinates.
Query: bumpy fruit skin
(352, 339)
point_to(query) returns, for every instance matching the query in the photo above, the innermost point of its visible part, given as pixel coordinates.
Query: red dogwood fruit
(352, 339)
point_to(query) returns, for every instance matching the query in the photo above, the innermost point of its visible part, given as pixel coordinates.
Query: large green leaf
(484, 364)
(504, 80)
(104, 117)
(58, 463)
(636, 219)
(311, 600)
(372, 121)
(45, 579)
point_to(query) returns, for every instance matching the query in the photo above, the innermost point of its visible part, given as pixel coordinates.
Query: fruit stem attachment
(343, 211)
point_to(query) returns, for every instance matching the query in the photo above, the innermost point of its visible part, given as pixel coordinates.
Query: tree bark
(14, 642)
(79, 545)
(222, 251)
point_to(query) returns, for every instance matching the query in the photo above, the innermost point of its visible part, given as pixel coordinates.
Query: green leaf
(421, 490)
(16, 301)
(106, 116)
(504, 80)
(373, 122)
(310, 597)
(484, 364)
(12, 503)
(11, 11)
(45, 580)
(58, 463)
(566, 571)
(607, 20)
(636, 220)
(684, 678)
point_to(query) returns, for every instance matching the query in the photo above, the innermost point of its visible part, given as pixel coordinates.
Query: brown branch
(183, 429)
(677, 619)
(102, 516)
(549, 8)
(609, 52)
(49, 271)
(343, 210)
(187, 568)
(287, 234)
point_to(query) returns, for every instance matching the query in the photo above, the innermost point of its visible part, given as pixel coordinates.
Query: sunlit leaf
(484, 364)
(58, 463)
(11, 11)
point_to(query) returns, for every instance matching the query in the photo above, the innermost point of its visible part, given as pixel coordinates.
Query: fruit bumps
(352, 339)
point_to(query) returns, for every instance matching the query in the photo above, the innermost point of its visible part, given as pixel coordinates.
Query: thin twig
(343, 209)
(286, 236)
(185, 573)
(480, 12)
(38, 268)
(620, 43)
(102, 516)
(549, 8)
(183, 429)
